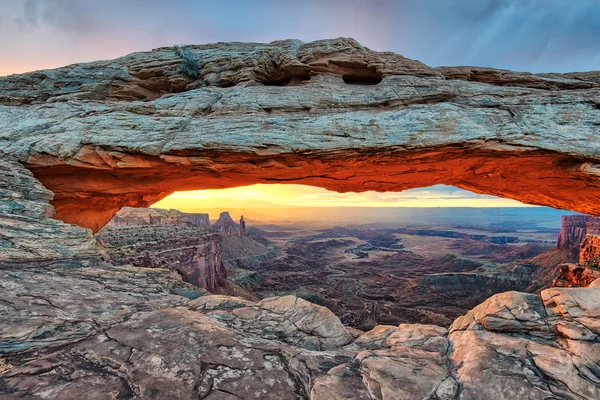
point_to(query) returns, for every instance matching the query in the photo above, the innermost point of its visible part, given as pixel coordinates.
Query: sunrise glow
(277, 195)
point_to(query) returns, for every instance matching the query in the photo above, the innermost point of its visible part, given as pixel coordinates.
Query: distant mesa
(130, 216)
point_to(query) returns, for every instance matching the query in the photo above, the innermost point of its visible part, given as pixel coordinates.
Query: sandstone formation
(181, 242)
(243, 231)
(225, 224)
(28, 234)
(129, 216)
(579, 236)
(330, 113)
(76, 327)
(574, 230)
(590, 250)
(193, 252)
(572, 275)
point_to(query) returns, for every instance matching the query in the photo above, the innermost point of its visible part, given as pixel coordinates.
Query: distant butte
(329, 113)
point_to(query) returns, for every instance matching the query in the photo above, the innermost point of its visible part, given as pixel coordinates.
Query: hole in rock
(424, 255)
(362, 77)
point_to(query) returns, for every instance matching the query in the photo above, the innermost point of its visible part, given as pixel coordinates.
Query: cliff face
(206, 269)
(575, 228)
(573, 275)
(129, 216)
(192, 251)
(590, 249)
(330, 113)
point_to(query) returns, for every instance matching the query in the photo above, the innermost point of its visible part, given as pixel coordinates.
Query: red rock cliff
(590, 249)
(575, 228)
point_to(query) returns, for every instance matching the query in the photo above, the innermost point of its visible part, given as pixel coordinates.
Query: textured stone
(129, 216)
(575, 275)
(590, 250)
(288, 318)
(346, 119)
(420, 336)
(507, 312)
(28, 234)
(574, 230)
(376, 337)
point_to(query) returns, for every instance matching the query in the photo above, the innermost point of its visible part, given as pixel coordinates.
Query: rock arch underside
(80, 142)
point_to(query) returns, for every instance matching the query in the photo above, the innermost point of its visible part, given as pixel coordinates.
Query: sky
(529, 35)
(524, 35)
(273, 195)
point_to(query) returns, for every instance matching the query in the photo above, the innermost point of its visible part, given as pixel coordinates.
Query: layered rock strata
(574, 230)
(330, 113)
(193, 252)
(129, 216)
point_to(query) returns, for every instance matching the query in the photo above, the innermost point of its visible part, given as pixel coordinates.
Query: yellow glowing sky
(277, 195)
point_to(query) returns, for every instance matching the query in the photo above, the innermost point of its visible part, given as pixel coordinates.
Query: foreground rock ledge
(330, 113)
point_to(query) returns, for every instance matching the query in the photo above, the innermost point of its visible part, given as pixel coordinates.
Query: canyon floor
(369, 275)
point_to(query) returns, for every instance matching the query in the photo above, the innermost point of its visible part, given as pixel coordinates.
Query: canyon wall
(330, 113)
(590, 250)
(181, 242)
(129, 216)
(575, 228)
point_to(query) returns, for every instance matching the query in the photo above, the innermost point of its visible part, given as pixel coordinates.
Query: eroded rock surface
(574, 230)
(330, 113)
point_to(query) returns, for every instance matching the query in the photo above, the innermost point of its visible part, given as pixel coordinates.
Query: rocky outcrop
(574, 230)
(590, 250)
(243, 231)
(206, 269)
(571, 275)
(29, 237)
(578, 237)
(193, 252)
(518, 345)
(226, 225)
(330, 113)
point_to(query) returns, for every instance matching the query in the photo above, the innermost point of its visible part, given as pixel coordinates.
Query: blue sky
(530, 35)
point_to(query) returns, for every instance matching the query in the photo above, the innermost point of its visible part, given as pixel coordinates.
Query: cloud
(29, 18)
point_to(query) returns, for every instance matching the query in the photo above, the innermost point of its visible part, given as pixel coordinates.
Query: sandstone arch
(133, 130)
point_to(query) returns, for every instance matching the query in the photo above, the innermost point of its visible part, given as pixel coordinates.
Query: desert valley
(368, 274)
